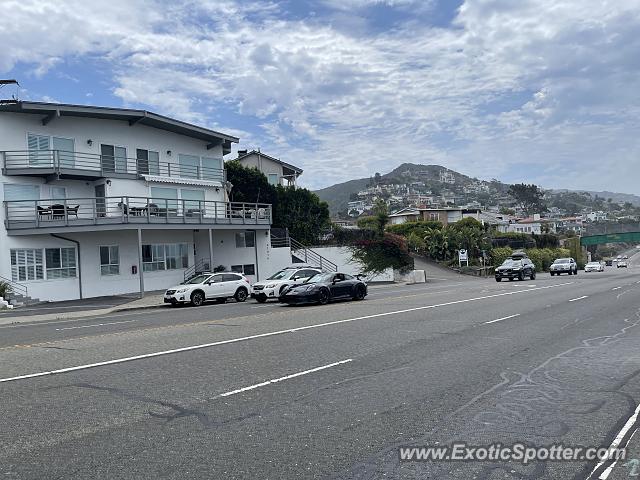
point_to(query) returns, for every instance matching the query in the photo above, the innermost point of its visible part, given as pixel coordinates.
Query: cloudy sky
(544, 91)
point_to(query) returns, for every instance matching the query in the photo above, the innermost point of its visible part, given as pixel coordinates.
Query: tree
(378, 254)
(529, 198)
(381, 217)
(297, 209)
(301, 212)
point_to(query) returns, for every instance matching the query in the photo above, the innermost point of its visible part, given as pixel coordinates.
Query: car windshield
(563, 260)
(198, 279)
(282, 274)
(593, 264)
(320, 277)
(510, 262)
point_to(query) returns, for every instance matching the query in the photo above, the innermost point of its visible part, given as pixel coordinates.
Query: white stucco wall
(341, 256)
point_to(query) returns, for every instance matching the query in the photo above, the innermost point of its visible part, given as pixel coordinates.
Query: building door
(101, 207)
(65, 148)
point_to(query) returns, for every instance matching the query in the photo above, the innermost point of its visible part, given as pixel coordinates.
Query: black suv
(517, 266)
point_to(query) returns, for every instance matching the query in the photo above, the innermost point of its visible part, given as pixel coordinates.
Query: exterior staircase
(201, 266)
(18, 297)
(303, 254)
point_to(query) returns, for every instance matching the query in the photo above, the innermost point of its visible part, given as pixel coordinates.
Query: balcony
(91, 166)
(23, 217)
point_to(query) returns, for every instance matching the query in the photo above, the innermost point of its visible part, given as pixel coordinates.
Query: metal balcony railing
(21, 214)
(90, 164)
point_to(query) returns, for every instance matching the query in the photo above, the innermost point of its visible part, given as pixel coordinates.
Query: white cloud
(541, 90)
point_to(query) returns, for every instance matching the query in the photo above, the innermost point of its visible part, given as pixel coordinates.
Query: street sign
(463, 255)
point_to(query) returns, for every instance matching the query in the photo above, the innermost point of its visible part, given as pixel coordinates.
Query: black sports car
(325, 287)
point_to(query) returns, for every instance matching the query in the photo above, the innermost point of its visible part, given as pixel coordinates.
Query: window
(434, 216)
(273, 178)
(165, 198)
(148, 162)
(16, 191)
(61, 262)
(165, 257)
(245, 239)
(193, 200)
(212, 168)
(189, 165)
(245, 269)
(152, 258)
(114, 159)
(109, 260)
(39, 149)
(57, 193)
(65, 148)
(230, 277)
(176, 256)
(26, 264)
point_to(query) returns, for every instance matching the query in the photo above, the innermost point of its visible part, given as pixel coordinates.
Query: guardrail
(60, 162)
(119, 210)
(16, 288)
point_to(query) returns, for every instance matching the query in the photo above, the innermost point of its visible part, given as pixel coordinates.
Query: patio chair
(57, 211)
(73, 211)
(43, 211)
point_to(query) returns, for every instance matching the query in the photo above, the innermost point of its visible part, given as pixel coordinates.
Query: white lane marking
(503, 318)
(616, 288)
(616, 443)
(263, 335)
(287, 377)
(579, 298)
(95, 325)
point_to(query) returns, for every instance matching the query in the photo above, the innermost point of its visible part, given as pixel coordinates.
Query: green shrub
(500, 254)
(5, 289)
(418, 227)
(378, 254)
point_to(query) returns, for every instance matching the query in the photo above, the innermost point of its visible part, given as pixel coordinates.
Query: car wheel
(197, 299)
(498, 279)
(261, 299)
(575, 272)
(323, 297)
(241, 295)
(359, 295)
(533, 275)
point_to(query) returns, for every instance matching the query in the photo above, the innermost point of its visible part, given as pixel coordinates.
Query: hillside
(439, 181)
(337, 196)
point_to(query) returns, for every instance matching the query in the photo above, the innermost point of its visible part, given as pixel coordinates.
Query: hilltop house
(443, 215)
(276, 171)
(100, 201)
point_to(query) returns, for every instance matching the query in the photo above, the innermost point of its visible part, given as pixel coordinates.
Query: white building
(101, 201)
(276, 171)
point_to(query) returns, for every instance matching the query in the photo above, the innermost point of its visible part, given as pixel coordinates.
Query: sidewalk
(81, 308)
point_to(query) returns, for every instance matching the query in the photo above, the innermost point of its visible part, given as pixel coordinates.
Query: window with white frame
(246, 239)
(60, 262)
(26, 264)
(165, 257)
(109, 260)
(148, 161)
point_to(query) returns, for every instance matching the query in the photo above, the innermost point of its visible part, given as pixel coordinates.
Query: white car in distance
(272, 287)
(209, 286)
(594, 267)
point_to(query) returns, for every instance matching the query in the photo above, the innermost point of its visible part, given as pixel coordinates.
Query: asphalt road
(269, 391)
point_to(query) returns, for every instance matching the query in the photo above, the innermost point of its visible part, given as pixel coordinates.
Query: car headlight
(271, 285)
(181, 290)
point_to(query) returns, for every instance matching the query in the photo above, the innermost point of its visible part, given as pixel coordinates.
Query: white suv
(273, 286)
(209, 286)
